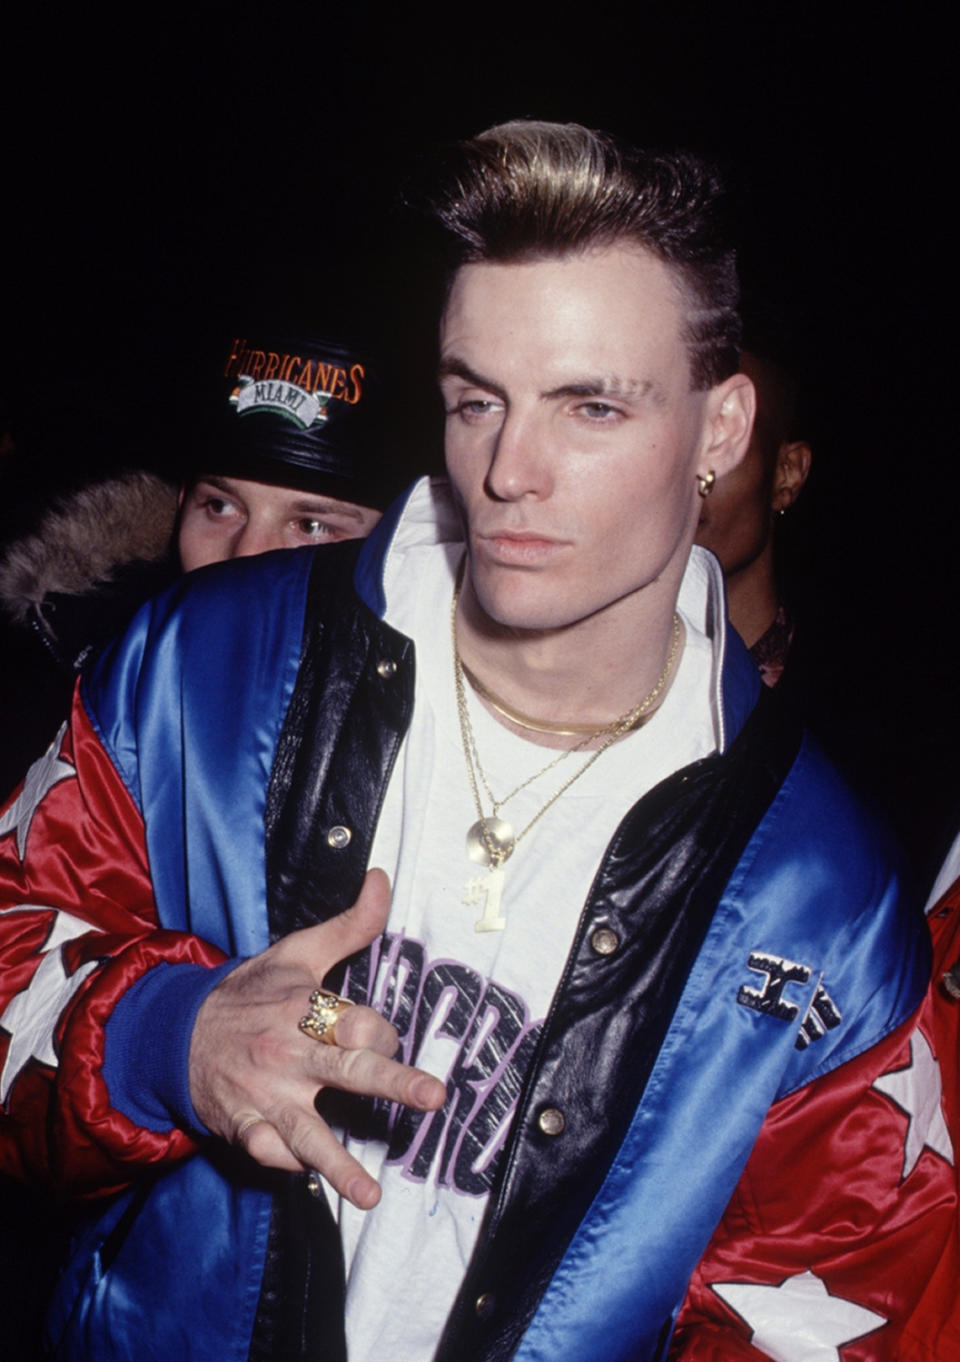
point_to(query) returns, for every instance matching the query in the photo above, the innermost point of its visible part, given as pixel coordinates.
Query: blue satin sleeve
(190, 705)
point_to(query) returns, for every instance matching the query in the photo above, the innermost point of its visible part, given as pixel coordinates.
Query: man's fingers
(295, 1143)
(320, 948)
(358, 926)
(254, 1075)
(374, 1075)
(315, 1146)
(319, 1150)
(262, 1143)
(360, 1028)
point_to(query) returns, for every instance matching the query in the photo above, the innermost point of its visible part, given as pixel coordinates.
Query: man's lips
(518, 546)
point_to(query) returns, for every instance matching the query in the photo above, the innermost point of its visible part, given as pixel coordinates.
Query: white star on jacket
(917, 1091)
(798, 1321)
(46, 772)
(31, 1016)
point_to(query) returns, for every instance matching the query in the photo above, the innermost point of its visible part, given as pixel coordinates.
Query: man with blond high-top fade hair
(664, 1083)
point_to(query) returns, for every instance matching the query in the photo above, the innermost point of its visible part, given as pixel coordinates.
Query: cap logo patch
(286, 399)
(282, 368)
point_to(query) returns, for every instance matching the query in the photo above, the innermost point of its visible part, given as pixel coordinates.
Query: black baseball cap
(300, 412)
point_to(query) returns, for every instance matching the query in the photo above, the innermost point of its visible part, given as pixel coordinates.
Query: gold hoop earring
(705, 483)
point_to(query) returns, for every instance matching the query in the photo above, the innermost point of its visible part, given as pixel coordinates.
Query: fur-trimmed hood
(85, 539)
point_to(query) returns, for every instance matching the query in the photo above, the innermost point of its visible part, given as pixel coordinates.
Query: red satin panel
(83, 854)
(873, 1236)
(933, 1331)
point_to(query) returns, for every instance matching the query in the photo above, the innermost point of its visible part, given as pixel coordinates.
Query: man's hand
(252, 1067)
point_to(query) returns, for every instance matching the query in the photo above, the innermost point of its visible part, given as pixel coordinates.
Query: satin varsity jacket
(754, 1158)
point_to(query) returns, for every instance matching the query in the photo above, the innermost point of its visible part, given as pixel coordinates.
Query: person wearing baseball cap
(292, 454)
(281, 445)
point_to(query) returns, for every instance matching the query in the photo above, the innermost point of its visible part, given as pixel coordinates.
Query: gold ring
(250, 1121)
(325, 1009)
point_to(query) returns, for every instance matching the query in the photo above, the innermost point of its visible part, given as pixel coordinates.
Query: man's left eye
(599, 411)
(315, 529)
(474, 409)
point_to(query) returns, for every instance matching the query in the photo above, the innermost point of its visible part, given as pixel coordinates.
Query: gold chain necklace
(491, 840)
(517, 716)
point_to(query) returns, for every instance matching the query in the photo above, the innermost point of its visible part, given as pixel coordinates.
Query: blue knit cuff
(147, 1046)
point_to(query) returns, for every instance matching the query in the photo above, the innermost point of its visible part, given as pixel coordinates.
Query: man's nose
(254, 538)
(520, 466)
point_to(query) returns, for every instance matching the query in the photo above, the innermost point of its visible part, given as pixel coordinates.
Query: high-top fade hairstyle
(529, 190)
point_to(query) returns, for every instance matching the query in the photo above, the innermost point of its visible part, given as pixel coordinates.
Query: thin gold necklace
(491, 840)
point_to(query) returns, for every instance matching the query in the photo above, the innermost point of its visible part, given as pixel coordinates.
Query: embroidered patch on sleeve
(823, 1016)
(778, 973)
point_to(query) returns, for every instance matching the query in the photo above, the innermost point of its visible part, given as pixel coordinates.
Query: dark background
(168, 172)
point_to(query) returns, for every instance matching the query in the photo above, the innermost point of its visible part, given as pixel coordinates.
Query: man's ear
(732, 406)
(793, 468)
(181, 494)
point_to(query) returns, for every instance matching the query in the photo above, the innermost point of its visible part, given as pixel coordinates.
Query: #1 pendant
(488, 890)
(490, 842)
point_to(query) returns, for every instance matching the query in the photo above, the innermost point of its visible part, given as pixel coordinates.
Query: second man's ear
(793, 468)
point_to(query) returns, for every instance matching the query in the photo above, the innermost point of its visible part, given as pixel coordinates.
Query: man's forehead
(647, 267)
(606, 320)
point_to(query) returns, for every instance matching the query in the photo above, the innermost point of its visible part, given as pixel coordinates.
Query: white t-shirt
(468, 1005)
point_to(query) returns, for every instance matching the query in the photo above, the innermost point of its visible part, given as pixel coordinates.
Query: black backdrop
(167, 171)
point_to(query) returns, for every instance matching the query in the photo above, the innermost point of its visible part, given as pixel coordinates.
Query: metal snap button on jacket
(339, 837)
(604, 941)
(551, 1121)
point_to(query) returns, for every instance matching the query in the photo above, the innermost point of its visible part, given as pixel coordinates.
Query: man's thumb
(327, 944)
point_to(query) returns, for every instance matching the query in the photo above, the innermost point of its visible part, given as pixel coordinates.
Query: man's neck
(752, 598)
(585, 675)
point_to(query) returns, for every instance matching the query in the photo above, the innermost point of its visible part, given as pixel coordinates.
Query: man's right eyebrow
(451, 366)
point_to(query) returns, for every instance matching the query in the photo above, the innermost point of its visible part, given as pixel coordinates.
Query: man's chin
(527, 611)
